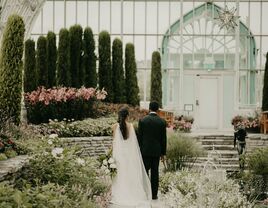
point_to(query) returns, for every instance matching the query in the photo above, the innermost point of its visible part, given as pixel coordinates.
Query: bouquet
(108, 164)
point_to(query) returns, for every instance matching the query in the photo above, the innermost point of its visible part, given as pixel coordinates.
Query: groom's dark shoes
(154, 197)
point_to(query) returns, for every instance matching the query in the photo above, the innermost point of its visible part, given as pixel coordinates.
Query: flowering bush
(201, 189)
(108, 164)
(58, 103)
(181, 151)
(183, 124)
(247, 121)
(85, 128)
(7, 147)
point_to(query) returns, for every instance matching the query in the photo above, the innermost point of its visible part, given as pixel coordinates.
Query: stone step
(207, 165)
(217, 142)
(218, 147)
(218, 160)
(223, 153)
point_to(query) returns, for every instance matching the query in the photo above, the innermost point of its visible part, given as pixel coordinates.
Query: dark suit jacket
(152, 136)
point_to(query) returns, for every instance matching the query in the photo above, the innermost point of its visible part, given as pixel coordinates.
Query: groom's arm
(164, 139)
(140, 133)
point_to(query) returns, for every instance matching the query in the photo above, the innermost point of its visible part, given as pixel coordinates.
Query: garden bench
(167, 115)
(264, 122)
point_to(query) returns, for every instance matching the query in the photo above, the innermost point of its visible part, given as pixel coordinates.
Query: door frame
(219, 79)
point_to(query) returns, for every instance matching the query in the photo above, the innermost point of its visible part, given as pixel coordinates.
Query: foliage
(258, 161)
(55, 176)
(89, 58)
(58, 103)
(30, 74)
(246, 121)
(201, 189)
(119, 84)
(51, 58)
(156, 78)
(7, 147)
(105, 68)
(77, 73)
(41, 61)
(11, 67)
(181, 151)
(132, 89)
(183, 123)
(108, 164)
(265, 87)
(101, 109)
(49, 195)
(85, 128)
(63, 59)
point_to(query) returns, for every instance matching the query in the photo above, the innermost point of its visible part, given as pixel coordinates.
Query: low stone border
(91, 146)
(10, 167)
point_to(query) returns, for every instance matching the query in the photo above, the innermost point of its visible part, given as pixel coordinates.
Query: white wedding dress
(131, 186)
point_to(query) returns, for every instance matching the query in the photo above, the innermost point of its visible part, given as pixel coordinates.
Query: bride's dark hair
(122, 115)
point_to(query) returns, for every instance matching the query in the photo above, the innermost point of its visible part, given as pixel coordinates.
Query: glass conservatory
(211, 69)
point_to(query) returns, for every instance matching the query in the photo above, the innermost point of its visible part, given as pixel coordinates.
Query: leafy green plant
(84, 128)
(11, 67)
(265, 87)
(30, 74)
(89, 58)
(132, 89)
(51, 58)
(188, 188)
(63, 59)
(156, 78)
(105, 68)
(41, 62)
(77, 73)
(48, 195)
(257, 163)
(181, 150)
(119, 84)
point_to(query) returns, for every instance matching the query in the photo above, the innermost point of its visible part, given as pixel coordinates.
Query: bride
(131, 186)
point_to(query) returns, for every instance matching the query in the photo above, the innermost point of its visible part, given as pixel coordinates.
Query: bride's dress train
(131, 186)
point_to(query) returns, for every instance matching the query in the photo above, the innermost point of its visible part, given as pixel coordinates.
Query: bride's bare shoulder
(114, 126)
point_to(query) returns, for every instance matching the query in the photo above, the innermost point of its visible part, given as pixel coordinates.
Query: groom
(152, 140)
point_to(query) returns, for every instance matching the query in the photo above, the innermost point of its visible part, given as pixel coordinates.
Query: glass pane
(59, 16)
(128, 18)
(116, 17)
(105, 15)
(48, 17)
(140, 17)
(93, 16)
(151, 18)
(70, 13)
(82, 13)
(255, 17)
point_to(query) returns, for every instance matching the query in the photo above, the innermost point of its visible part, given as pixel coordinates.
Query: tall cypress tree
(63, 59)
(118, 72)
(77, 74)
(30, 75)
(51, 58)
(11, 67)
(89, 59)
(132, 89)
(105, 69)
(41, 62)
(156, 78)
(265, 87)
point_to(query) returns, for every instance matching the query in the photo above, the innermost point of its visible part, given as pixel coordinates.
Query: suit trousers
(152, 164)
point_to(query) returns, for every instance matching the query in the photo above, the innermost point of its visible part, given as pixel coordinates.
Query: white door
(207, 103)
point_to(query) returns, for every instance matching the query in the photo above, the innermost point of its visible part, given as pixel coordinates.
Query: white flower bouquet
(108, 164)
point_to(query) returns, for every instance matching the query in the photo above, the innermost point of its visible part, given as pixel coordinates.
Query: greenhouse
(168, 97)
(194, 53)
